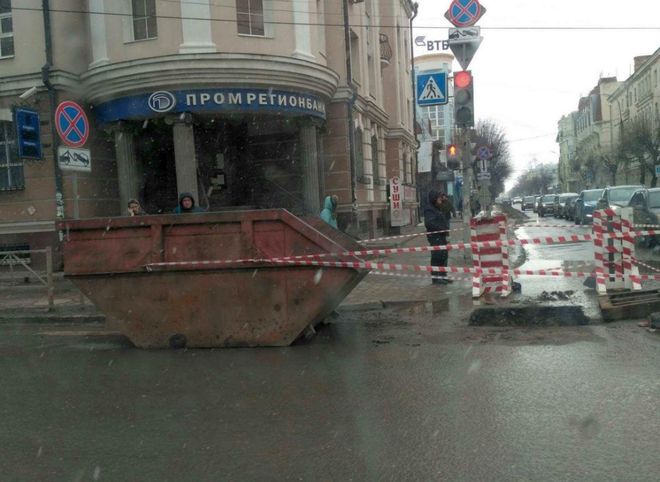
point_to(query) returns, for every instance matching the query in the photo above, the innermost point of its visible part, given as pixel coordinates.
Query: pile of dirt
(555, 295)
(514, 214)
(531, 315)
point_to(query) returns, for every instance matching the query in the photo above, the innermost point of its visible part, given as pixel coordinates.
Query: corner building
(251, 104)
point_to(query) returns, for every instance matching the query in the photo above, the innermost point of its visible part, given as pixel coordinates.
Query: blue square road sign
(432, 89)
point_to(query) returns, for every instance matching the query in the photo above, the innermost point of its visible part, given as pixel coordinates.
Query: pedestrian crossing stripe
(431, 91)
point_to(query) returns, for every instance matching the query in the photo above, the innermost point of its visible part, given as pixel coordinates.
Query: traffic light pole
(466, 164)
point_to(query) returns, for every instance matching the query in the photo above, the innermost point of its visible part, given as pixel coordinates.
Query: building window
(356, 60)
(359, 154)
(6, 30)
(11, 167)
(144, 19)
(374, 156)
(250, 17)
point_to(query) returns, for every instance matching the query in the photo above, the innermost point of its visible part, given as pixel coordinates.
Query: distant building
(638, 95)
(567, 139)
(589, 139)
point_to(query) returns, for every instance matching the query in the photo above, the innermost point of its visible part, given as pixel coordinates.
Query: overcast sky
(526, 80)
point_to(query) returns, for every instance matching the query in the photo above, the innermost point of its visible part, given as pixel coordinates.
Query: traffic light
(464, 99)
(28, 138)
(453, 161)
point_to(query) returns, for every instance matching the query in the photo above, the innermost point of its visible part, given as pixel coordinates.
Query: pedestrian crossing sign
(432, 89)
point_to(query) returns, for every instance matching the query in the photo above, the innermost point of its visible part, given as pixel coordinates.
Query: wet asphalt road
(406, 393)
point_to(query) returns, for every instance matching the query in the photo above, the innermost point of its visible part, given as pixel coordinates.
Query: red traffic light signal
(462, 79)
(463, 99)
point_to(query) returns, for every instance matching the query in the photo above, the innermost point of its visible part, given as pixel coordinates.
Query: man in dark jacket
(435, 219)
(187, 204)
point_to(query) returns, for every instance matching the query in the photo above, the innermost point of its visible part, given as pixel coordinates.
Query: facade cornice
(372, 110)
(401, 133)
(18, 84)
(342, 94)
(182, 71)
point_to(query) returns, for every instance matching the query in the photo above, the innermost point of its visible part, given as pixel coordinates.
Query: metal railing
(13, 259)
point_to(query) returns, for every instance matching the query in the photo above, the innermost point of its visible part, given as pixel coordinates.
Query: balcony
(385, 50)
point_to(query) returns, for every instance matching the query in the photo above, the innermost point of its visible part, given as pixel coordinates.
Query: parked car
(517, 200)
(617, 196)
(546, 205)
(560, 203)
(646, 210)
(585, 205)
(506, 201)
(528, 202)
(567, 204)
(555, 209)
(537, 200)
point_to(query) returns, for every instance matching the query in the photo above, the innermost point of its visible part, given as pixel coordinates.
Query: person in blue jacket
(187, 204)
(329, 213)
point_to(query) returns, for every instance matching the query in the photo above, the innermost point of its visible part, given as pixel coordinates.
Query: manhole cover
(529, 316)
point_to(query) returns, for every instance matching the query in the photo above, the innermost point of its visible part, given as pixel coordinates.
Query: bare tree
(500, 164)
(641, 143)
(537, 180)
(587, 160)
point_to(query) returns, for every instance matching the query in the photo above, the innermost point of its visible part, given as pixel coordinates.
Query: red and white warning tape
(564, 226)
(412, 235)
(646, 226)
(647, 266)
(419, 276)
(449, 247)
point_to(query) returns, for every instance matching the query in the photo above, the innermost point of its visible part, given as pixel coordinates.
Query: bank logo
(162, 101)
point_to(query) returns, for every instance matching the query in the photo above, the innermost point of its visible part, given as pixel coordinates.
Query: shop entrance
(243, 162)
(249, 162)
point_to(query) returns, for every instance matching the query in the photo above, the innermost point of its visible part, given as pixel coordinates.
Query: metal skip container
(197, 280)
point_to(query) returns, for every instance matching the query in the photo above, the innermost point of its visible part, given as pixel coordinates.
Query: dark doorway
(154, 149)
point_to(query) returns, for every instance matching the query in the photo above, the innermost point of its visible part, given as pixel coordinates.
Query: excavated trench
(532, 315)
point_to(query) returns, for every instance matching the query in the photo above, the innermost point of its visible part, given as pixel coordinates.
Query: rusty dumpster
(159, 281)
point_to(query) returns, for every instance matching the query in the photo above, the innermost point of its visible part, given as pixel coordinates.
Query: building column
(196, 27)
(185, 159)
(302, 30)
(310, 168)
(97, 31)
(128, 174)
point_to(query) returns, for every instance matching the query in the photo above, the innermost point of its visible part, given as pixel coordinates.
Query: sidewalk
(374, 290)
(28, 302)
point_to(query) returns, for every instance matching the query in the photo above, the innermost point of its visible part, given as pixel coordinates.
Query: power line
(318, 24)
